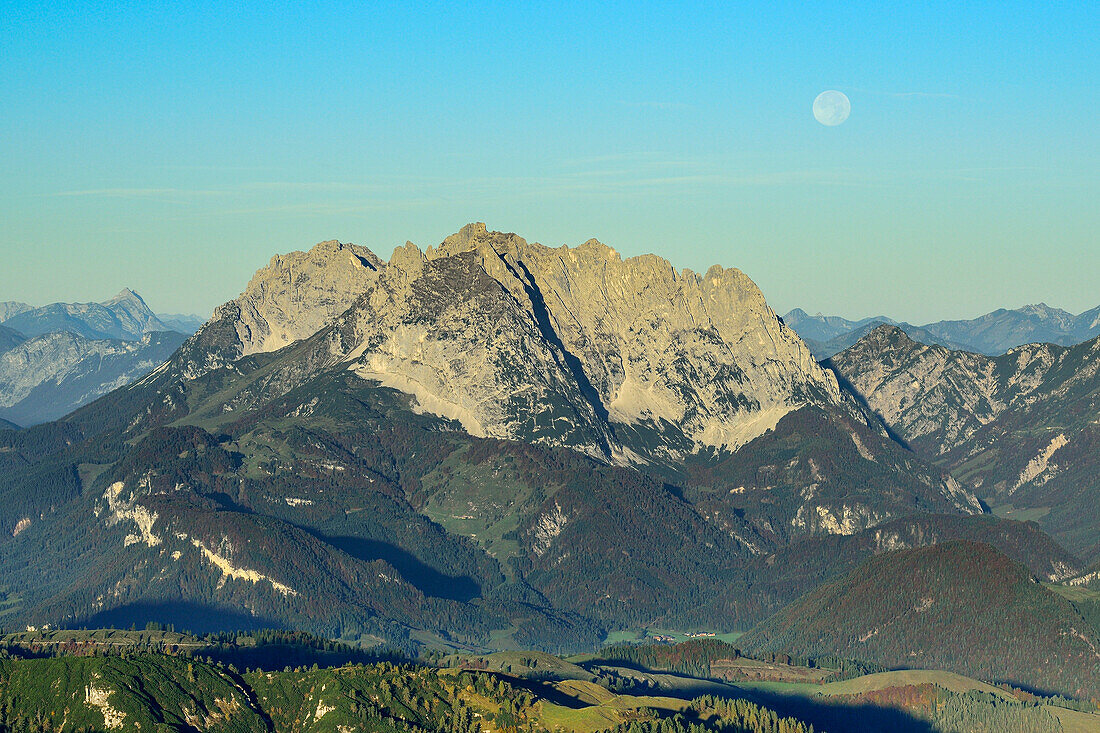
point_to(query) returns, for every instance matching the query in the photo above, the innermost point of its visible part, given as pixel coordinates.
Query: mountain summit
(571, 346)
(125, 316)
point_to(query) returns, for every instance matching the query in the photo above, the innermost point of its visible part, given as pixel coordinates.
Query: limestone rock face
(566, 346)
(939, 399)
(701, 356)
(298, 293)
(930, 394)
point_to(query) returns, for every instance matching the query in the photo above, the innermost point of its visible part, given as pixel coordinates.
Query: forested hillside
(287, 681)
(911, 608)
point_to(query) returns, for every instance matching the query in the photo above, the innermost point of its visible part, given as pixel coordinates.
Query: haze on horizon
(175, 150)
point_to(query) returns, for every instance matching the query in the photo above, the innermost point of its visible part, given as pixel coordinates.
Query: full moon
(831, 108)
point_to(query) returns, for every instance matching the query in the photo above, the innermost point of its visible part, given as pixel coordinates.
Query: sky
(175, 147)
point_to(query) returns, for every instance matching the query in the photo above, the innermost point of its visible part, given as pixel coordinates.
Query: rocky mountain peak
(642, 344)
(12, 308)
(125, 295)
(889, 336)
(568, 345)
(299, 293)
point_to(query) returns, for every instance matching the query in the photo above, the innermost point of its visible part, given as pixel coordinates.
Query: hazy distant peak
(128, 296)
(991, 334)
(1045, 311)
(12, 308)
(797, 314)
(125, 316)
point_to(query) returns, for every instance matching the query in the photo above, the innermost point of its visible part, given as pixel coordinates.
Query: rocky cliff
(570, 346)
(298, 293)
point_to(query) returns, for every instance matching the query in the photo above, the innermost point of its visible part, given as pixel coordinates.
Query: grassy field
(1074, 721)
(630, 636)
(601, 710)
(1028, 514)
(89, 472)
(1075, 593)
(10, 602)
(521, 664)
(103, 637)
(901, 678)
(738, 669)
(482, 501)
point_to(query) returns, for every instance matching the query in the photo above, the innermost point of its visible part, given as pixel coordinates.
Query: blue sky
(174, 149)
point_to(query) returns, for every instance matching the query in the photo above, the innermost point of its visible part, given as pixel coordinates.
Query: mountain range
(58, 357)
(1020, 429)
(991, 334)
(492, 443)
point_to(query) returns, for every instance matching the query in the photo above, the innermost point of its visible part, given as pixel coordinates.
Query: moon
(831, 108)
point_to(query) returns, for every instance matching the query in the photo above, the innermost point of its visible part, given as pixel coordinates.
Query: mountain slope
(147, 691)
(1018, 429)
(48, 376)
(10, 338)
(125, 316)
(910, 608)
(775, 578)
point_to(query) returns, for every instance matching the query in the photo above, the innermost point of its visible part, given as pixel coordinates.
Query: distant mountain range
(991, 334)
(58, 357)
(48, 376)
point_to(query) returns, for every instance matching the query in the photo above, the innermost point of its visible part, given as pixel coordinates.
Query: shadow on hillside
(427, 579)
(196, 618)
(824, 715)
(846, 385)
(274, 657)
(828, 716)
(545, 690)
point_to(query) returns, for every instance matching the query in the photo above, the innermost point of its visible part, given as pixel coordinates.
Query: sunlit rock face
(1020, 429)
(298, 293)
(938, 399)
(567, 346)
